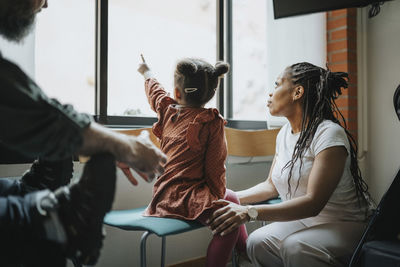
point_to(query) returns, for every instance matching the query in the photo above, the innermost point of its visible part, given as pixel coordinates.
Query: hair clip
(190, 90)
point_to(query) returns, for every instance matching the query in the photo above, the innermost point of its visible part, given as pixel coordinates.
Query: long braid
(321, 89)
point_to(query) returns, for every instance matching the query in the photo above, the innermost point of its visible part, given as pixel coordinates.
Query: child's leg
(242, 237)
(220, 247)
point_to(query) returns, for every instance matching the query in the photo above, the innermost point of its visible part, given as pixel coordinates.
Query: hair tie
(190, 90)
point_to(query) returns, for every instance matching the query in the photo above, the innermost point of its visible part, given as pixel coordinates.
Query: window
(65, 52)
(109, 35)
(249, 60)
(164, 34)
(262, 47)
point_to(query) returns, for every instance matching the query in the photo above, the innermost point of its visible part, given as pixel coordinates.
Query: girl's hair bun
(186, 67)
(221, 68)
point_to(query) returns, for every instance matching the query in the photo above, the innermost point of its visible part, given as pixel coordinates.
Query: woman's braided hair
(321, 89)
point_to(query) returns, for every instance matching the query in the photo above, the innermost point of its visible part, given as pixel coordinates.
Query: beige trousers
(293, 244)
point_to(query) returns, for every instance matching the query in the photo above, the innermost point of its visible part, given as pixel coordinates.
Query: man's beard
(16, 19)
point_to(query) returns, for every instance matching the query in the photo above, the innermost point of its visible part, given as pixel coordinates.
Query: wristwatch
(252, 212)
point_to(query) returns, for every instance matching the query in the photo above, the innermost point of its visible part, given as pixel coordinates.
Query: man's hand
(128, 173)
(138, 153)
(142, 155)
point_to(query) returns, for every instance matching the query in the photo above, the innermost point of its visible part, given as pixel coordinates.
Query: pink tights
(220, 248)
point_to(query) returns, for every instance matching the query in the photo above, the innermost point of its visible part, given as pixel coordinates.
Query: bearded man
(43, 218)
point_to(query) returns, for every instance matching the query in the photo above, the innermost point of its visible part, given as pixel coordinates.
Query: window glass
(249, 59)
(263, 47)
(164, 31)
(65, 52)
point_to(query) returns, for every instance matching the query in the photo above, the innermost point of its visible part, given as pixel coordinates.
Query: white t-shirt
(343, 205)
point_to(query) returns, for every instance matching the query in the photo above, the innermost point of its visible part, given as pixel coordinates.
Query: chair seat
(134, 220)
(270, 201)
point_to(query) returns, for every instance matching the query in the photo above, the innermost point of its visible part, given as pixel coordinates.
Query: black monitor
(287, 8)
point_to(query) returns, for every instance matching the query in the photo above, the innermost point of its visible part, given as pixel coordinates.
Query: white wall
(383, 67)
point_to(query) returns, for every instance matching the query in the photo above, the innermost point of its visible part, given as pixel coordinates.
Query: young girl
(193, 139)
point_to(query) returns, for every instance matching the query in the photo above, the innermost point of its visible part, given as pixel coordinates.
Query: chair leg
(143, 248)
(234, 263)
(163, 240)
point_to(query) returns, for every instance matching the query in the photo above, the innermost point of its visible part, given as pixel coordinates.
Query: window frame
(224, 53)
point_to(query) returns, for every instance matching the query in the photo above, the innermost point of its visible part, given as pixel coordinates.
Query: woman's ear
(298, 92)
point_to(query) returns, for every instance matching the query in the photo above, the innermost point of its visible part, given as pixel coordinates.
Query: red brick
(352, 90)
(352, 56)
(339, 12)
(352, 126)
(338, 45)
(346, 101)
(339, 67)
(352, 44)
(352, 34)
(354, 134)
(352, 22)
(348, 113)
(338, 34)
(352, 12)
(336, 23)
(352, 67)
(342, 56)
(338, 57)
(352, 79)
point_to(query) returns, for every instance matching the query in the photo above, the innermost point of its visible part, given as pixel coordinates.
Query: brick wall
(342, 56)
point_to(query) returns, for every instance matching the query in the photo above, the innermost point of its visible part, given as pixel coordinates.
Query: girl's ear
(177, 93)
(298, 92)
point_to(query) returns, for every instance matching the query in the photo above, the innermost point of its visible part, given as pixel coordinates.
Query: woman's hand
(228, 218)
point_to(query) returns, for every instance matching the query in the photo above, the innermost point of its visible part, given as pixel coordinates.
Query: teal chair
(242, 143)
(133, 220)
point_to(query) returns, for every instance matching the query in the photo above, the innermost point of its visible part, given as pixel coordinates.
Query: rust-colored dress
(194, 141)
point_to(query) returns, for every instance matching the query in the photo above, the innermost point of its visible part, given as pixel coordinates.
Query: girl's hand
(228, 218)
(143, 68)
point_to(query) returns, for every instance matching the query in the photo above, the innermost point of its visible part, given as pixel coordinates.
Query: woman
(325, 202)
